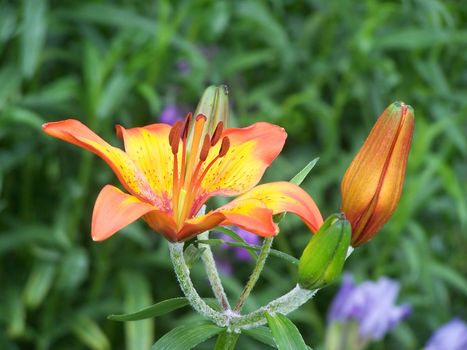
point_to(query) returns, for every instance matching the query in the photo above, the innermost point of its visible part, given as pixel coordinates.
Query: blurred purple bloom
(183, 66)
(170, 115)
(224, 266)
(451, 336)
(371, 304)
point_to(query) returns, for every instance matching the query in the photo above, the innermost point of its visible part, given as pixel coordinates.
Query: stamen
(203, 154)
(216, 135)
(186, 126)
(224, 147)
(174, 136)
(222, 152)
(193, 156)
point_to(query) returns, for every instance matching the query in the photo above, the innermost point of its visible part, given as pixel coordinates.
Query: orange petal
(276, 197)
(149, 148)
(130, 176)
(251, 151)
(195, 226)
(250, 214)
(372, 184)
(114, 210)
(162, 223)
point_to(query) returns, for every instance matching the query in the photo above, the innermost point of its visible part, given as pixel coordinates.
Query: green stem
(213, 275)
(263, 255)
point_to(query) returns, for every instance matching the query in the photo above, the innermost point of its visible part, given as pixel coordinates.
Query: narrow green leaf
(236, 237)
(90, 334)
(140, 334)
(226, 341)
(450, 276)
(285, 333)
(155, 310)
(39, 283)
(33, 35)
(302, 174)
(186, 337)
(261, 334)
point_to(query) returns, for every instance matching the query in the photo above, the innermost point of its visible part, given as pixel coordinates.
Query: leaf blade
(186, 337)
(286, 335)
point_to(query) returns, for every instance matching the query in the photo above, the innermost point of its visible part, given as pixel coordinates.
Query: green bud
(323, 258)
(214, 104)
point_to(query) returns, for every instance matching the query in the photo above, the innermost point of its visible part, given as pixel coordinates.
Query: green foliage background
(322, 69)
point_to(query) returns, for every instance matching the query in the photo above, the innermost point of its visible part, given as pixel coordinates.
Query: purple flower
(371, 305)
(170, 115)
(451, 336)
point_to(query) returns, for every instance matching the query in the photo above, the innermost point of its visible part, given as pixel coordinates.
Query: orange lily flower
(170, 172)
(372, 185)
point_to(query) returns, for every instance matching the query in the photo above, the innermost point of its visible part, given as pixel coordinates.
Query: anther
(174, 136)
(201, 116)
(216, 135)
(203, 154)
(224, 147)
(186, 126)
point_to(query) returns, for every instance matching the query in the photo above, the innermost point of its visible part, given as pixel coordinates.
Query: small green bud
(324, 256)
(214, 104)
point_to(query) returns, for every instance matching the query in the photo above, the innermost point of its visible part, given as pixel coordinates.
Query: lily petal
(250, 214)
(200, 224)
(252, 150)
(162, 222)
(114, 210)
(276, 198)
(149, 148)
(75, 132)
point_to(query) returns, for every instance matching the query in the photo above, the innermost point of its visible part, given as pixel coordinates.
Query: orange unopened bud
(372, 184)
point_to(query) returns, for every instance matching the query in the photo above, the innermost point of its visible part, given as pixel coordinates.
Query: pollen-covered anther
(203, 154)
(174, 136)
(216, 135)
(224, 147)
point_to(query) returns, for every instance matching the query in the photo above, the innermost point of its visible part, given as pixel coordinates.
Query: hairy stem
(263, 255)
(285, 304)
(183, 276)
(213, 275)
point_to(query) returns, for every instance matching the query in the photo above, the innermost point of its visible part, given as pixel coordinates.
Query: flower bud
(324, 256)
(214, 104)
(372, 184)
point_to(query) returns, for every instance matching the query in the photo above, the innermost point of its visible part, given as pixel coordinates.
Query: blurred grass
(322, 69)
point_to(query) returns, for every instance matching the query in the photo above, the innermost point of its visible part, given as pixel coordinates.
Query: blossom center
(191, 166)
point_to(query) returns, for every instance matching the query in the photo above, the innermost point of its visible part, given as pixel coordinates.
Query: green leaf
(33, 35)
(38, 284)
(186, 337)
(261, 334)
(285, 333)
(450, 276)
(160, 309)
(87, 330)
(236, 237)
(139, 335)
(302, 174)
(155, 310)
